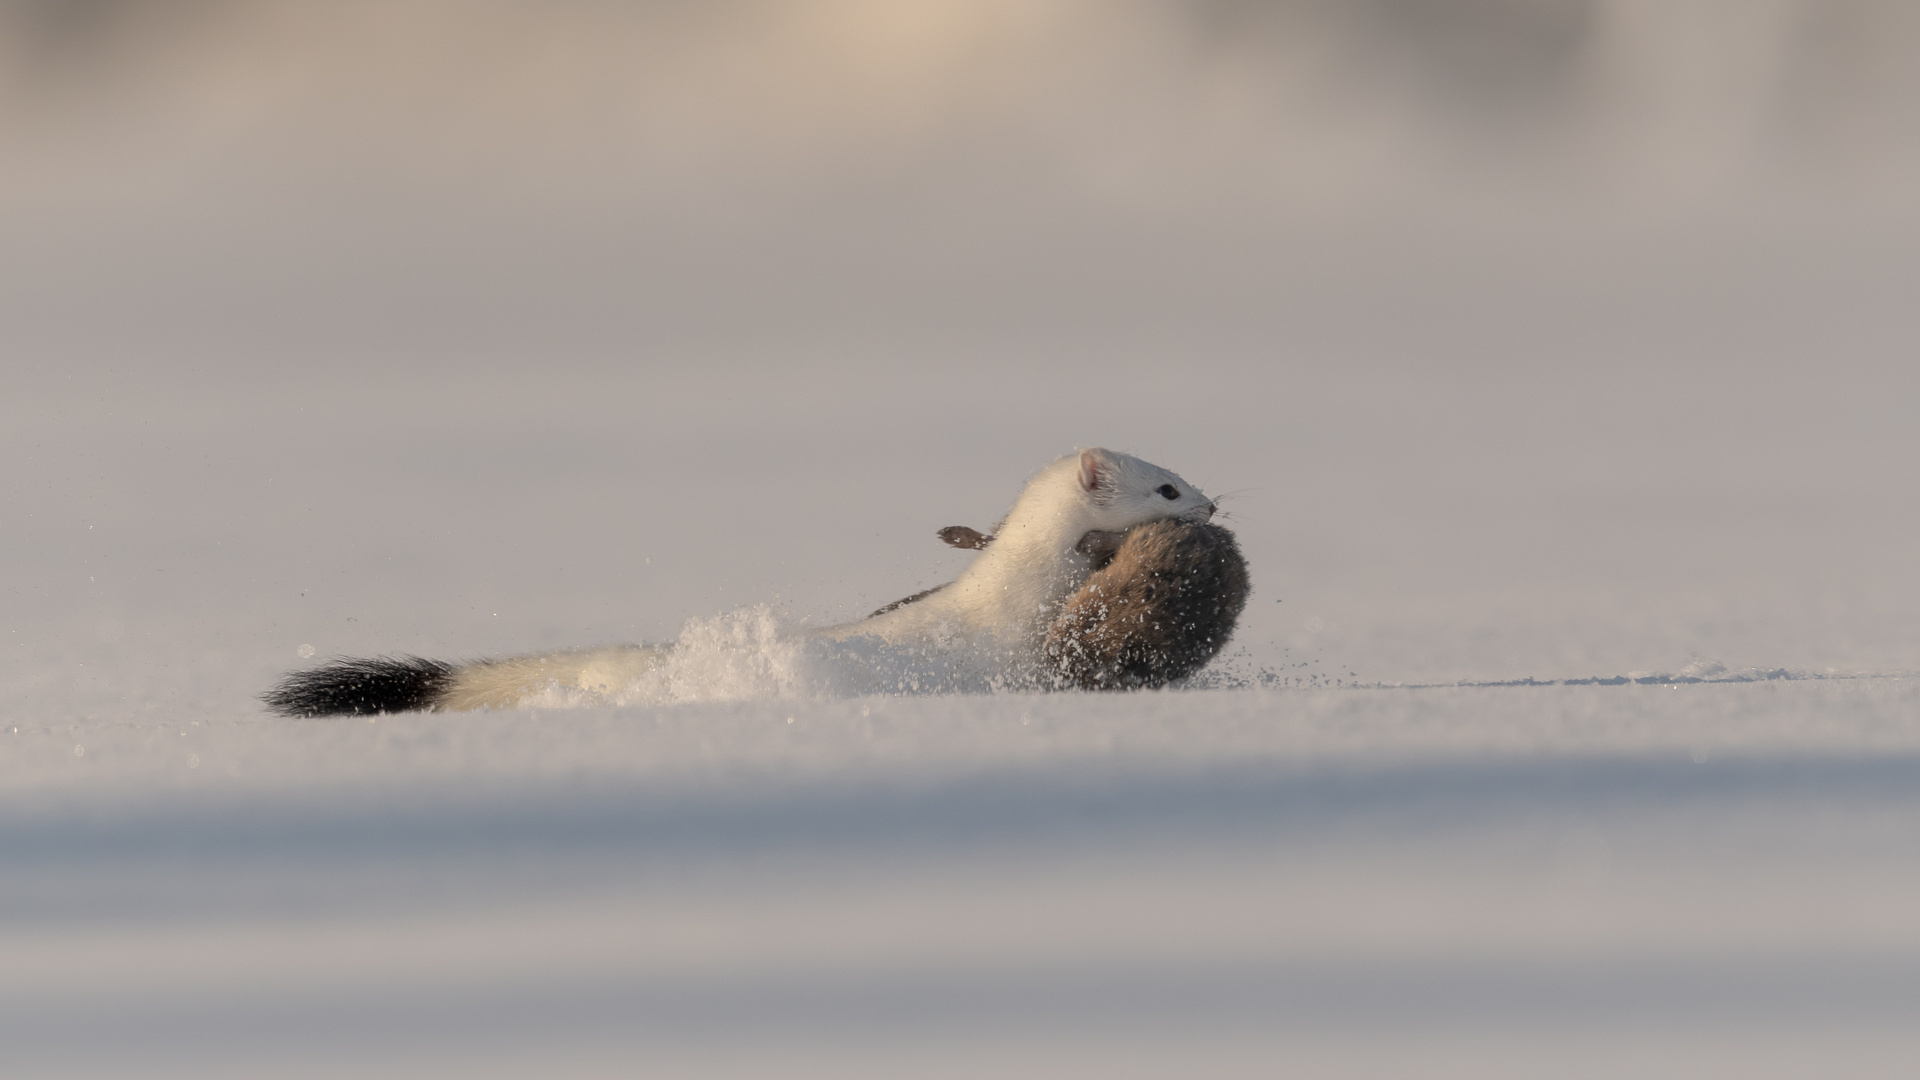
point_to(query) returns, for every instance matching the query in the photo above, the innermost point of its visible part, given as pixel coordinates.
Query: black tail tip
(361, 687)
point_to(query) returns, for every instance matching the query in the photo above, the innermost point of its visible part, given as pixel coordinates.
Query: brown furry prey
(1161, 602)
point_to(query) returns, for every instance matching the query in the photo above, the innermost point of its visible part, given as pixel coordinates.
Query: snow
(1573, 727)
(1450, 880)
(1687, 851)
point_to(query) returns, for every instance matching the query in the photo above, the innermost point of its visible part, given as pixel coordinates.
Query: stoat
(989, 628)
(991, 622)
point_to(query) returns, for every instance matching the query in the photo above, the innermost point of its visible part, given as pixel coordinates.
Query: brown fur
(1159, 610)
(1100, 546)
(962, 537)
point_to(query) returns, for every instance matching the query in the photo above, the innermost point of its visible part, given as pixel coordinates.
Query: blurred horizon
(231, 190)
(1305, 105)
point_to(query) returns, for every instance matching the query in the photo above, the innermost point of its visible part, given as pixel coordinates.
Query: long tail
(361, 687)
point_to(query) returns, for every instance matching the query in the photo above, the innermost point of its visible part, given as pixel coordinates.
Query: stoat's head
(1122, 491)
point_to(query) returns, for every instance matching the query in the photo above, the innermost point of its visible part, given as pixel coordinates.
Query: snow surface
(1559, 370)
(1646, 879)
(1318, 857)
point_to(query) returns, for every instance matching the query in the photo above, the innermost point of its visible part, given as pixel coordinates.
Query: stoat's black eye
(1168, 491)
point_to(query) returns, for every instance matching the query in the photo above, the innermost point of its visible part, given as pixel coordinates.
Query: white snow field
(1557, 359)
(1304, 870)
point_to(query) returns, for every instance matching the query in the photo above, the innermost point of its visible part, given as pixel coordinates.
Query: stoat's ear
(1093, 470)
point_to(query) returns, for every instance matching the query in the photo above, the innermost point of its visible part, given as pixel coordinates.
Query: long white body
(982, 631)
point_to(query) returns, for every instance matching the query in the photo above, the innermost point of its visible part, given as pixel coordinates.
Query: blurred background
(1536, 337)
(1528, 339)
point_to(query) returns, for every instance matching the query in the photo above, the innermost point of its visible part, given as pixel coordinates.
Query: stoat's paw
(962, 537)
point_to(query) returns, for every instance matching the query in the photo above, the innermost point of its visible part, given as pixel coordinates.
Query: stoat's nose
(1200, 514)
